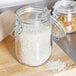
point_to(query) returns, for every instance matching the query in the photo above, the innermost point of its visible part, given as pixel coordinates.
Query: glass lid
(65, 6)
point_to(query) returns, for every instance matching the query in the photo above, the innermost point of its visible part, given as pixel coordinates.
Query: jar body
(33, 43)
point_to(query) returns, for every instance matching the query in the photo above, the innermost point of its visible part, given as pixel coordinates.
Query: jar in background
(65, 13)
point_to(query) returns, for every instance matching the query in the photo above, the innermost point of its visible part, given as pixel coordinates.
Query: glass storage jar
(33, 33)
(65, 13)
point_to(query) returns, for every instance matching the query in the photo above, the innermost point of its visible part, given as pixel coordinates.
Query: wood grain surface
(9, 66)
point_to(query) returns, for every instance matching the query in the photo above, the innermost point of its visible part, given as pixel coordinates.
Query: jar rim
(35, 14)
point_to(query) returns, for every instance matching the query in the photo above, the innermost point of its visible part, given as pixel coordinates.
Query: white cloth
(7, 22)
(12, 3)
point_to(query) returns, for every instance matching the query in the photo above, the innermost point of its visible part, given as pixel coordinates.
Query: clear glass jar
(33, 36)
(65, 12)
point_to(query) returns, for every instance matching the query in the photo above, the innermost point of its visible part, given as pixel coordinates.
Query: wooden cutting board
(9, 66)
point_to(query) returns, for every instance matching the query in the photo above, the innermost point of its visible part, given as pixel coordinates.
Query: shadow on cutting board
(9, 42)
